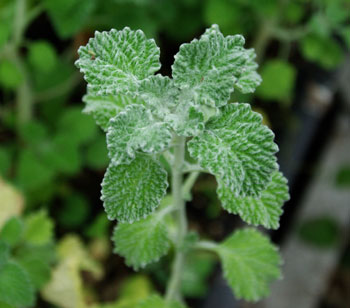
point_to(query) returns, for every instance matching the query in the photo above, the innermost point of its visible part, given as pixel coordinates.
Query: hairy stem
(173, 288)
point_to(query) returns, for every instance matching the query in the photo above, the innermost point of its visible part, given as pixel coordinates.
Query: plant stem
(173, 288)
(24, 98)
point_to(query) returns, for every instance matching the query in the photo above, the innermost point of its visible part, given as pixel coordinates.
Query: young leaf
(237, 149)
(38, 228)
(114, 62)
(213, 66)
(155, 301)
(136, 129)
(250, 263)
(265, 210)
(166, 102)
(105, 107)
(160, 94)
(142, 242)
(131, 192)
(15, 286)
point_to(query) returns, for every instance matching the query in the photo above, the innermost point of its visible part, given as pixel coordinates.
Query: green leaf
(131, 192)
(105, 107)
(142, 242)
(42, 56)
(69, 16)
(175, 108)
(74, 212)
(97, 154)
(211, 67)
(38, 228)
(5, 32)
(114, 62)
(15, 286)
(135, 130)
(10, 76)
(32, 172)
(323, 50)
(38, 270)
(5, 160)
(63, 155)
(237, 149)
(321, 231)
(160, 94)
(250, 263)
(198, 268)
(278, 80)
(78, 126)
(4, 253)
(33, 132)
(99, 227)
(11, 232)
(265, 210)
(155, 301)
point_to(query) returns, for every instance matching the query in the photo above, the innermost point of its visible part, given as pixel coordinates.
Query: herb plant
(151, 121)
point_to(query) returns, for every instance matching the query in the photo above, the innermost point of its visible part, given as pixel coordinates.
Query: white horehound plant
(152, 120)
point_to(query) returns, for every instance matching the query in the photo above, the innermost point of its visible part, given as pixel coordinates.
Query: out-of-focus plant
(147, 117)
(320, 29)
(26, 251)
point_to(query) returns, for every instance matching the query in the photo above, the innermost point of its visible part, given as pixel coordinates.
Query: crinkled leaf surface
(175, 107)
(213, 66)
(142, 242)
(105, 107)
(114, 62)
(15, 286)
(156, 301)
(238, 149)
(160, 94)
(136, 129)
(250, 263)
(264, 210)
(131, 192)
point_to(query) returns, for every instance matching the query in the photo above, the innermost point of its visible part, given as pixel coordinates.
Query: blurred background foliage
(54, 236)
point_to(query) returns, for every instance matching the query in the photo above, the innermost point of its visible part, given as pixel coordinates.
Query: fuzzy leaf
(114, 62)
(15, 286)
(213, 66)
(237, 149)
(105, 107)
(159, 93)
(250, 263)
(142, 242)
(155, 301)
(133, 130)
(131, 192)
(177, 109)
(266, 210)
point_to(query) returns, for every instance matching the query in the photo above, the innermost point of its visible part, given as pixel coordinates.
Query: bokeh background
(53, 157)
